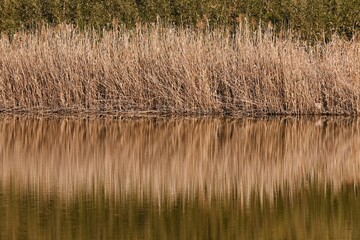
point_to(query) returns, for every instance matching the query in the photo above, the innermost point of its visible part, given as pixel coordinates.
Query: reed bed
(167, 70)
(164, 160)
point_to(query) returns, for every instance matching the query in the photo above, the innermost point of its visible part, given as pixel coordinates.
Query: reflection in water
(188, 178)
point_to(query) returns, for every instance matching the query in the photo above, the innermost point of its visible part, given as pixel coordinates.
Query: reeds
(168, 70)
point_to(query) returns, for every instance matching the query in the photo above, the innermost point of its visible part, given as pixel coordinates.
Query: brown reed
(167, 70)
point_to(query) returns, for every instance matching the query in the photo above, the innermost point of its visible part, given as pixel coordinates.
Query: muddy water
(179, 178)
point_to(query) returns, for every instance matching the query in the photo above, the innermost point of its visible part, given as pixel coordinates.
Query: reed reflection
(179, 179)
(170, 158)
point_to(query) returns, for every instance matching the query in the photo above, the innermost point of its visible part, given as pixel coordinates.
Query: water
(179, 178)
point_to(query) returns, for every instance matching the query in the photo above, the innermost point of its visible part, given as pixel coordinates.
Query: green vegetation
(314, 19)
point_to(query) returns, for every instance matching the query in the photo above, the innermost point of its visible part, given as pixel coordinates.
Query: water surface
(179, 178)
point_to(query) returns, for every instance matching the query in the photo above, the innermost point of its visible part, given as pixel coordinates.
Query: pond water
(153, 178)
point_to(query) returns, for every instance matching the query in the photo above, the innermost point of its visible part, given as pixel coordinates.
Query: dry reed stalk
(157, 69)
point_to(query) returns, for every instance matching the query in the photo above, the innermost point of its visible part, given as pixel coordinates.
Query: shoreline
(155, 114)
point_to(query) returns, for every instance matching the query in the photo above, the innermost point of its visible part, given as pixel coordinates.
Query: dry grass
(178, 158)
(177, 71)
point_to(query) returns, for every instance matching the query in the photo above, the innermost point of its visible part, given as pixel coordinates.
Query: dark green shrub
(311, 19)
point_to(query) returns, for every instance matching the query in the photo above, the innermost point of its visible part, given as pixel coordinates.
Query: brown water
(179, 178)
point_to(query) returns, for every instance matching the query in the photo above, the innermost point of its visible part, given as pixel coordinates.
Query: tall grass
(156, 69)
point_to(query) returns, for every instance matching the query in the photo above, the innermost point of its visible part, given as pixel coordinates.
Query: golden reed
(166, 159)
(166, 70)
